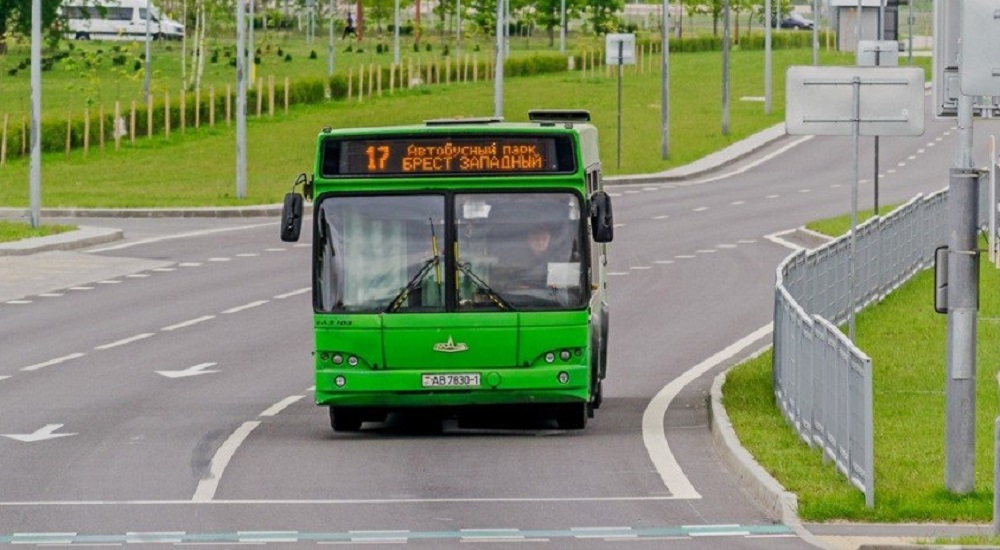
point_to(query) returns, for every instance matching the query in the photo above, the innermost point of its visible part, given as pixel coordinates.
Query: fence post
(229, 104)
(270, 96)
(378, 86)
(69, 133)
(100, 126)
(86, 132)
(288, 92)
(3, 141)
(117, 133)
(166, 114)
(211, 106)
(371, 79)
(197, 107)
(361, 83)
(131, 124)
(260, 96)
(183, 110)
(149, 116)
(392, 78)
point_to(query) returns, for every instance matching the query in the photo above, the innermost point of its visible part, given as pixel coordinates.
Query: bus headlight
(338, 359)
(352, 361)
(564, 355)
(340, 381)
(563, 377)
(550, 357)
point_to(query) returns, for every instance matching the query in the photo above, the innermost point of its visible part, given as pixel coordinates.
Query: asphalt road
(169, 401)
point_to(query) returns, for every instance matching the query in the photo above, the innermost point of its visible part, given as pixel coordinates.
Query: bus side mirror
(602, 222)
(291, 218)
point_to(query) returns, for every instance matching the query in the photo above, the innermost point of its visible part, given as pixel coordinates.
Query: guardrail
(822, 381)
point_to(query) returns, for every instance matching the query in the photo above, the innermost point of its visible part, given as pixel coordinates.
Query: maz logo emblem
(451, 347)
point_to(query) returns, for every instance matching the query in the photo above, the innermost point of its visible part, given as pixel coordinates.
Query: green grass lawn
(905, 339)
(16, 230)
(198, 168)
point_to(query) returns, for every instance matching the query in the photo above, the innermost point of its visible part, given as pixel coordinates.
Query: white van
(116, 20)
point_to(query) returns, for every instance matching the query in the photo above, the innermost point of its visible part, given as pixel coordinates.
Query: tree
(548, 14)
(602, 14)
(15, 18)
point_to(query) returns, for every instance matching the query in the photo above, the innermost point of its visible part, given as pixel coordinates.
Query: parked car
(796, 21)
(116, 20)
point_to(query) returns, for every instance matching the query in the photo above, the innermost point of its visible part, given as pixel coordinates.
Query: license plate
(450, 380)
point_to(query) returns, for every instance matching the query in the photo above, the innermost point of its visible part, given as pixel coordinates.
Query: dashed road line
(220, 259)
(293, 293)
(700, 209)
(52, 362)
(244, 307)
(281, 405)
(125, 341)
(81, 288)
(18, 302)
(189, 323)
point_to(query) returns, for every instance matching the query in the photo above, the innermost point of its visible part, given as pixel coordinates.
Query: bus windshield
(508, 251)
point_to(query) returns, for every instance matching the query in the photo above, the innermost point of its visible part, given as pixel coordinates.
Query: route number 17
(377, 156)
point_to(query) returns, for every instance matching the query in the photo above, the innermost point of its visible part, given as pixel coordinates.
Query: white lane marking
(208, 486)
(81, 288)
(237, 309)
(137, 275)
(196, 370)
(4, 377)
(654, 434)
(706, 251)
(302, 245)
(836, 186)
(181, 236)
(617, 225)
(275, 249)
(663, 262)
(772, 196)
(700, 209)
(293, 293)
(725, 246)
(776, 238)
(684, 257)
(18, 302)
(890, 171)
(190, 264)
(640, 267)
(756, 163)
(737, 203)
(747, 241)
(662, 217)
(109, 282)
(56, 361)
(281, 405)
(189, 323)
(268, 536)
(51, 295)
(912, 157)
(617, 273)
(248, 255)
(632, 192)
(164, 269)
(650, 188)
(41, 434)
(220, 259)
(345, 502)
(125, 341)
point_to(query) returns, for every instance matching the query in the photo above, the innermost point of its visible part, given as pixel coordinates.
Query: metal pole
(993, 200)
(148, 69)
(395, 34)
(241, 102)
(725, 68)
(996, 476)
(855, 146)
(857, 26)
(330, 51)
(963, 299)
(767, 56)
(458, 30)
(621, 55)
(665, 84)
(498, 70)
(815, 14)
(562, 26)
(909, 32)
(35, 171)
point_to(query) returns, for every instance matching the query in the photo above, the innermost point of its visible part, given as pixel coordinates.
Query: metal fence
(822, 381)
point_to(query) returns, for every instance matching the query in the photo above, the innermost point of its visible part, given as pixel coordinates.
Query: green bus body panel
(507, 350)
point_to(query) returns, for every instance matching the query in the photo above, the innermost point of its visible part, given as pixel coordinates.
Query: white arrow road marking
(190, 371)
(42, 434)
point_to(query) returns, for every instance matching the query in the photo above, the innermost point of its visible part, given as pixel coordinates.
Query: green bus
(459, 267)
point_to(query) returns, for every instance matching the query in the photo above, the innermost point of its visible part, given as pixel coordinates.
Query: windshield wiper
(414, 283)
(497, 299)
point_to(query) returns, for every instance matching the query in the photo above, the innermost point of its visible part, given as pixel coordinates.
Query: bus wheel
(345, 420)
(572, 416)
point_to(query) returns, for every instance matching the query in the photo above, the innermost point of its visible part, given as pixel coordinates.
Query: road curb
(82, 237)
(256, 211)
(771, 495)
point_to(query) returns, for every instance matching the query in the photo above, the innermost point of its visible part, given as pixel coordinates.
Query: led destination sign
(452, 155)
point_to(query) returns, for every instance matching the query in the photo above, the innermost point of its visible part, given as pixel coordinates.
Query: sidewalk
(42, 265)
